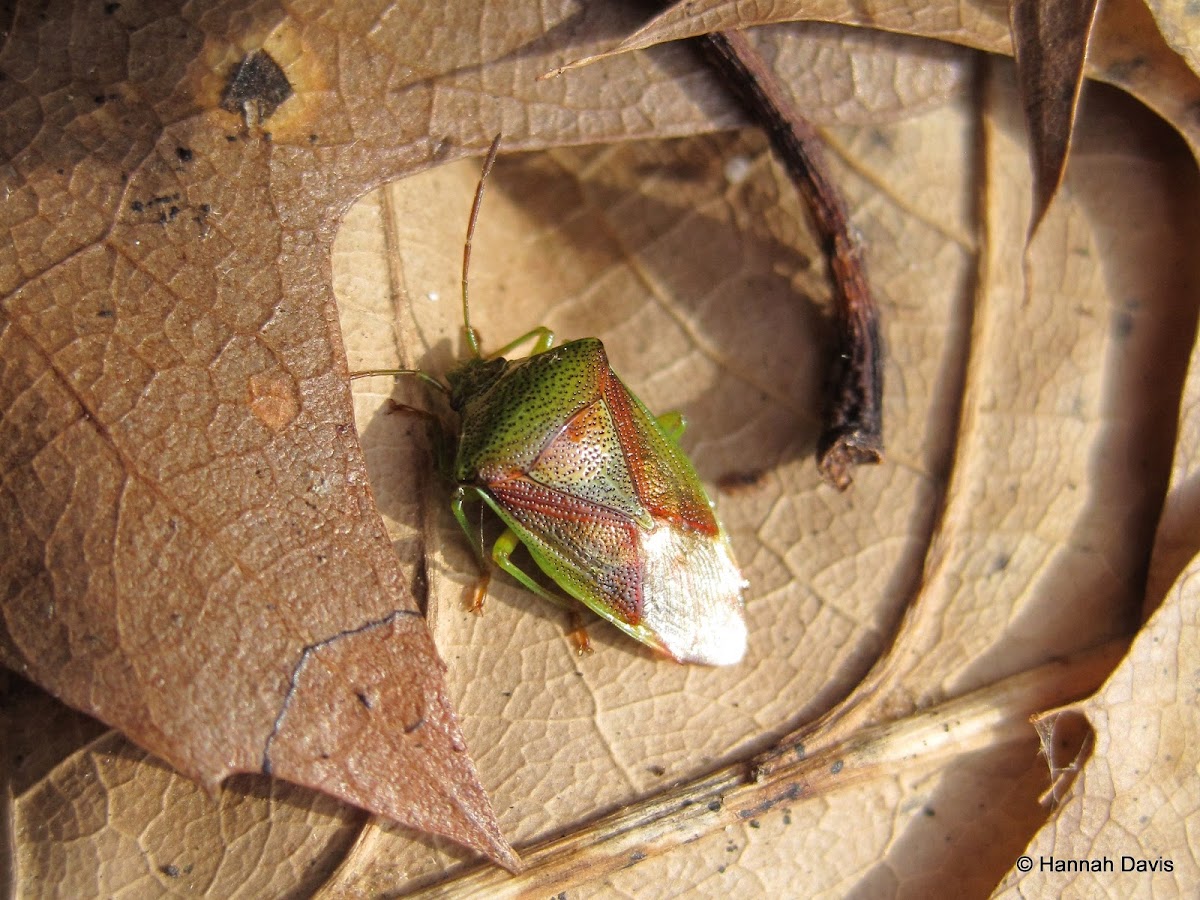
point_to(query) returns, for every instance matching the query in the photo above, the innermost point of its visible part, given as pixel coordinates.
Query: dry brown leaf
(976, 23)
(931, 742)
(1029, 455)
(1177, 21)
(1050, 43)
(189, 531)
(1026, 561)
(107, 817)
(1178, 539)
(1127, 826)
(1128, 49)
(1136, 795)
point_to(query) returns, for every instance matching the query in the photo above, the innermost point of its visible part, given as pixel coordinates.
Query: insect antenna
(472, 336)
(417, 373)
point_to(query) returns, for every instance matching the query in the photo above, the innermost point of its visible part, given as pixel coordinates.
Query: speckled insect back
(596, 488)
(605, 501)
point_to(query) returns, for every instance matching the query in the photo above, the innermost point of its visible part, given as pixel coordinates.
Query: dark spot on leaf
(754, 823)
(714, 805)
(1123, 71)
(1123, 324)
(636, 857)
(106, 314)
(657, 771)
(836, 767)
(110, 8)
(184, 154)
(312, 138)
(364, 699)
(256, 87)
(170, 871)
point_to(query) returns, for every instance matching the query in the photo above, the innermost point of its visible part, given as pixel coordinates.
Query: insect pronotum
(596, 488)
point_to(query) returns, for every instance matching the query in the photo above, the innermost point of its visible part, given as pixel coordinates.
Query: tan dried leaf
(1029, 455)
(1177, 21)
(1128, 51)
(981, 23)
(1136, 802)
(189, 532)
(1021, 404)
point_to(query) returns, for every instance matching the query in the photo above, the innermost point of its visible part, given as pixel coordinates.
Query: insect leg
(457, 501)
(502, 556)
(545, 340)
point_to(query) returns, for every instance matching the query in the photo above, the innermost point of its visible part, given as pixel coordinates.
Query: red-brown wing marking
(663, 477)
(597, 545)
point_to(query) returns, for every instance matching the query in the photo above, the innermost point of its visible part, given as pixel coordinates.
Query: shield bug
(596, 488)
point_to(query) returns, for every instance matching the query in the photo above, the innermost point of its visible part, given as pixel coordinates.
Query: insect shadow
(716, 281)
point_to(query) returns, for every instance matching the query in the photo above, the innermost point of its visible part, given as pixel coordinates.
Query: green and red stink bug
(596, 488)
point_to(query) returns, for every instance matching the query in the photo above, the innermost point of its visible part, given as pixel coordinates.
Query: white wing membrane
(692, 596)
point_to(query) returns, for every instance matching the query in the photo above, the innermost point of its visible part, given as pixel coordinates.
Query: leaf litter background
(1032, 433)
